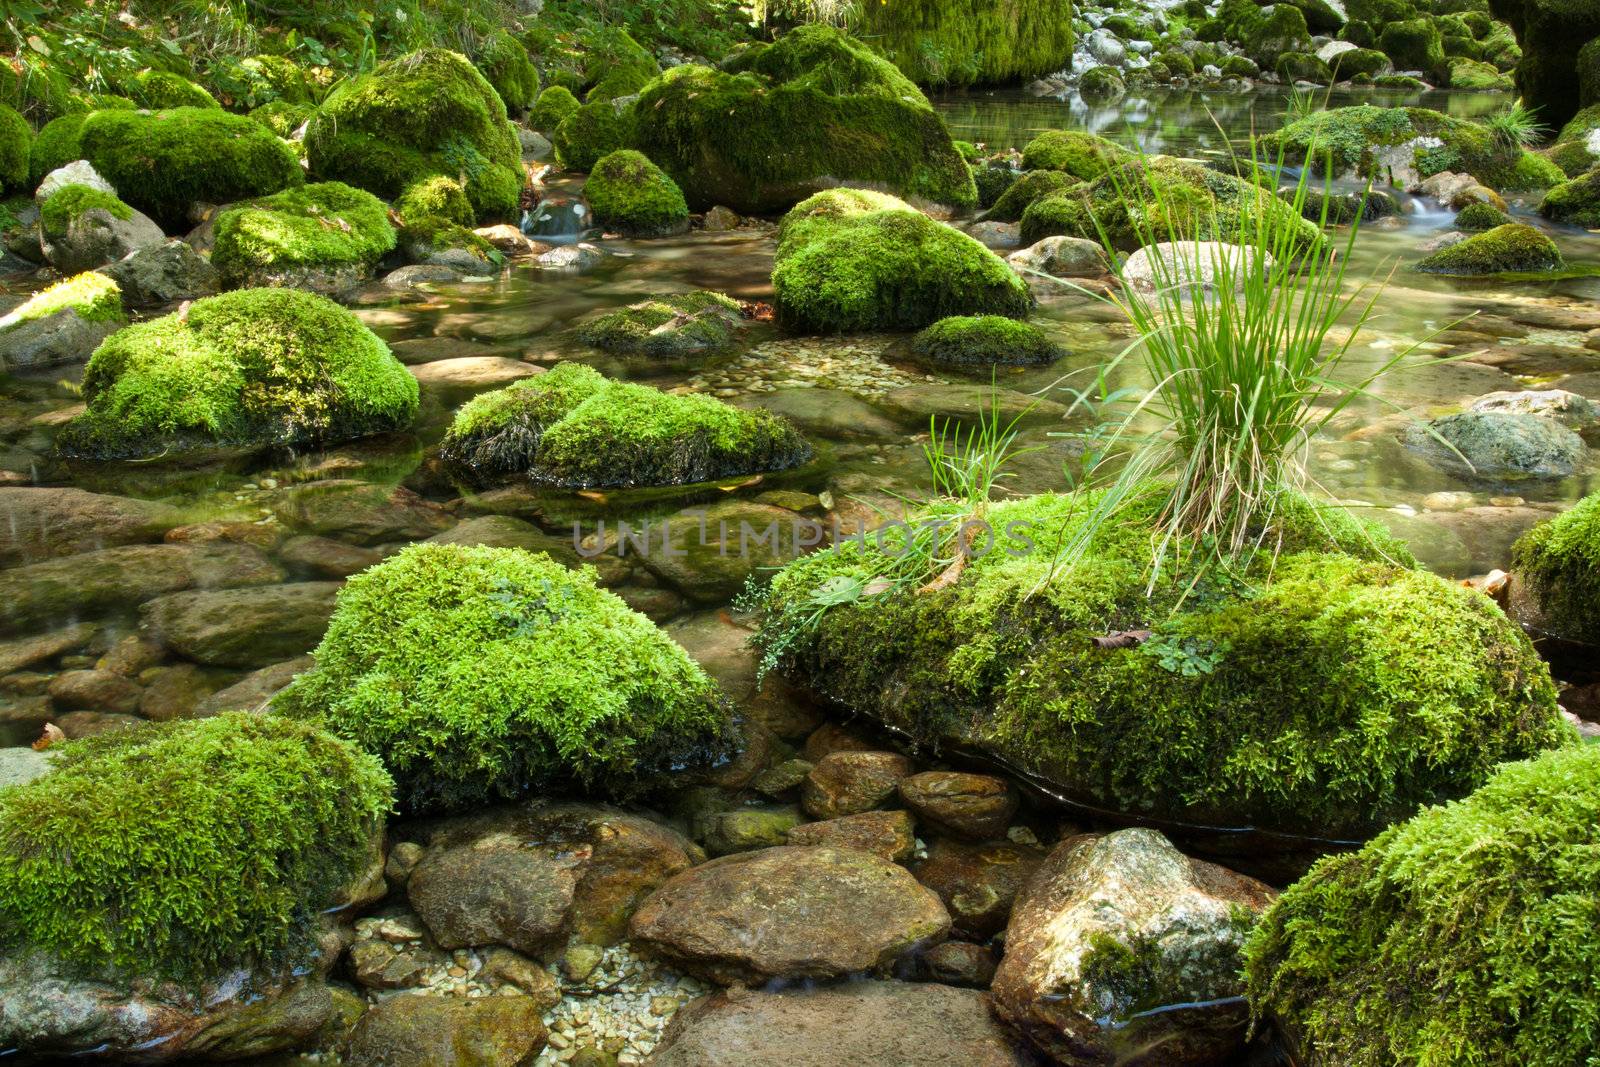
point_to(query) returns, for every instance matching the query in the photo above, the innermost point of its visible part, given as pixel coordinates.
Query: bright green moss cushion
(480, 674)
(157, 89)
(16, 138)
(555, 103)
(1560, 562)
(324, 225)
(630, 194)
(1084, 156)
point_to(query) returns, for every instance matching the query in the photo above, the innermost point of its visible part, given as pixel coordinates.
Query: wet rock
(76, 724)
(747, 829)
(471, 374)
(889, 835)
(242, 627)
(513, 968)
(960, 963)
(164, 273)
(1197, 263)
(977, 807)
(40, 523)
(792, 912)
(414, 274)
(24, 652)
(506, 531)
(1499, 444)
(1112, 927)
(977, 883)
(326, 558)
(720, 219)
(914, 405)
(1569, 409)
(996, 234)
(826, 412)
(131, 655)
(576, 259)
(360, 512)
(830, 738)
(783, 778)
(174, 693)
(263, 535)
(54, 339)
(886, 1024)
(24, 716)
(252, 692)
(493, 892)
(377, 964)
(96, 237)
(413, 1030)
(1063, 257)
(510, 240)
(708, 553)
(844, 783)
(95, 691)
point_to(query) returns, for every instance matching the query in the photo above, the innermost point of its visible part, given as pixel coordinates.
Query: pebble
(623, 1005)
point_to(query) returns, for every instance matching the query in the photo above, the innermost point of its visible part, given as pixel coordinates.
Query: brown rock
(977, 807)
(27, 651)
(830, 738)
(323, 557)
(262, 535)
(174, 693)
(414, 1030)
(360, 512)
(252, 692)
(252, 627)
(493, 892)
(960, 963)
(844, 783)
(978, 883)
(95, 691)
(514, 969)
(131, 655)
(887, 834)
(43, 522)
(76, 724)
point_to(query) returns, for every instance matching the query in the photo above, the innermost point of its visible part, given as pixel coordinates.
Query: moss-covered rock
(1477, 218)
(1553, 35)
(283, 117)
(1359, 61)
(1414, 44)
(162, 162)
(1328, 700)
(181, 849)
(1577, 147)
(984, 341)
(1264, 33)
(1101, 83)
(157, 90)
(326, 237)
(1084, 156)
(436, 240)
(1576, 202)
(850, 260)
(782, 121)
(249, 83)
(993, 178)
(1473, 75)
(1303, 67)
(1466, 935)
(83, 227)
(62, 323)
(1513, 247)
(957, 42)
(667, 326)
(633, 196)
(1559, 563)
(57, 144)
(1025, 190)
(1163, 199)
(591, 132)
(574, 428)
(615, 65)
(479, 674)
(504, 61)
(16, 139)
(249, 368)
(423, 114)
(439, 197)
(555, 103)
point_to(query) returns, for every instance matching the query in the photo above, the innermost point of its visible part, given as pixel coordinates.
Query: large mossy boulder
(158, 89)
(478, 674)
(1328, 699)
(1513, 248)
(1556, 37)
(62, 323)
(325, 237)
(1164, 199)
(423, 114)
(1084, 156)
(1575, 202)
(591, 132)
(850, 260)
(1466, 935)
(16, 139)
(504, 62)
(631, 195)
(781, 121)
(250, 369)
(162, 162)
(1558, 564)
(555, 103)
(1024, 190)
(82, 227)
(958, 42)
(574, 428)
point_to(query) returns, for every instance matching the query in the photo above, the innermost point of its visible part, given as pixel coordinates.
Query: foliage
(95, 298)
(439, 197)
(16, 138)
(182, 849)
(282, 117)
(984, 340)
(1517, 126)
(1513, 246)
(327, 224)
(1560, 562)
(632, 195)
(479, 674)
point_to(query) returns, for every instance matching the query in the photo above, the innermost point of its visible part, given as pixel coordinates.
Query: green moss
(1084, 156)
(992, 180)
(325, 225)
(1576, 202)
(1264, 33)
(573, 428)
(1359, 61)
(1239, 67)
(500, 673)
(968, 150)
(1303, 67)
(186, 848)
(254, 81)
(253, 367)
(161, 162)
(813, 109)
(591, 132)
(614, 64)
(1560, 562)
(1178, 63)
(1028, 188)
(439, 197)
(1467, 935)
(414, 117)
(1414, 44)
(1330, 699)
(506, 64)
(1574, 158)
(95, 297)
(68, 203)
(984, 341)
(16, 138)
(633, 196)
(1581, 125)
(283, 117)
(431, 235)
(1399, 81)
(159, 89)
(32, 85)
(1553, 36)
(56, 146)
(1511, 247)
(1481, 77)
(666, 326)
(553, 105)
(958, 42)
(1476, 218)
(850, 260)
(1101, 83)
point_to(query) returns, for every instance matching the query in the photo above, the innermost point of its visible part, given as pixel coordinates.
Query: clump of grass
(1518, 126)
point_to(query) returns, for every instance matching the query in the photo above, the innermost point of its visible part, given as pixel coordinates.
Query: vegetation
(496, 673)
(437, 197)
(1010, 205)
(94, 297)
(183, 849)
(553, 105)
(159, 89)
(328, 225)
(16, 138)
(631, 195)
(667, 326)
(1508, 248)
(69, 203)
(1084, 156)
(57, 145)
(1476, 218)
(1576, 202)
(505, 63)
(956, 42)
(593, 131)
(984, 341)
(1560, 562)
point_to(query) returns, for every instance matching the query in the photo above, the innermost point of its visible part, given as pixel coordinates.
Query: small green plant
(1517, 127)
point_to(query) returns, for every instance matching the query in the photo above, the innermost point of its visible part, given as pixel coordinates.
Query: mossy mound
(850, 260)
(1513, 247)
(506, 65)
(667, 327)
(1466, 935)
(813, 109)
(958, 42)
(592, 132)
(1085, 156)
(182, 849)
(93, 296)
(438, 197)
(1415, 44)
(70, 202)
(1477, 218)
(1101, 83)
(254, 81)
(283, 117)
(426, 113)
(993, 178)
(481, 674)
(157, 90)
(1363, 141)
(1164, 199)
(574, 428)
(1360, 61)
(328, 226)
(633, 196)
(614, 64)
(162, 162)
(433, 239)
(1329, 700)
(1575, 202)
(16, 139)
(248, 368)
(1559, 561)
(1473, 75)
(1033, 185)
(553, 105)
(57, 144)
(984, 341)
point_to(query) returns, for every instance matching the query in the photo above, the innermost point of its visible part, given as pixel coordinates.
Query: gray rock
(41, 522)
(577, 258)
(1190, 267)
(21, 765)
(161, 274)
(51, 340)
(996, 234)
(1499, 445)
(1064, 257)
(252, 627)
(252, 692)
(1106, 49)
(97, 237)
(1569, 409)
(421, 274)
(78, 172)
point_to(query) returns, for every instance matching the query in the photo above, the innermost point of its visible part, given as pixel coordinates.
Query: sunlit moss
(632, 195)
(1085, 156)
(327, 225)
(504, 61)
(954, 42)
(1511, 247)
(16, 138)
(984, 341)
(68, 203)
(159, 89)
(555, 103)
(93, 296)
(1560, 561)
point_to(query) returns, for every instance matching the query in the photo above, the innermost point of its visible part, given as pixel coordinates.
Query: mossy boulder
(435, 240)
(812, 110)
(16, 139)
(1498, 446)
(850, 260)
(1511, 248)
(325, 237)
(1576, 202)
(1414, 44)
(479, 674)
(156, 90)
(1477, 218)
(984, 341)
(182, 849)
(1010, 205)
(614, 64)
(1470, 74)
(667, 327)
(1101, 83)
(555, 103)
(1558, 563)
(1084, 156)
(1465, 935)
(162, 162)
(1264, 33)
(251, 368)
(62, 323)
(1303, 67)
(1576, 151)
(1553, 35)
(1164, 199)
(1359, 61)
(282, 117)
(248, 84)
(423, 114)
(633, 196)
(505, 63)
(83, 227)
(1328, 699)
(56, 145)
(574, 428)
(592, 132)
(438, 197)
(955, 42)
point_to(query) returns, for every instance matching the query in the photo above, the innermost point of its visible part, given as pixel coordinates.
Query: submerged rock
(977, 807)
(422, 1030)
(164, 274)
(242, 627)
(1499, 445)
(667, 327)
(38, 523)
(978, 883)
